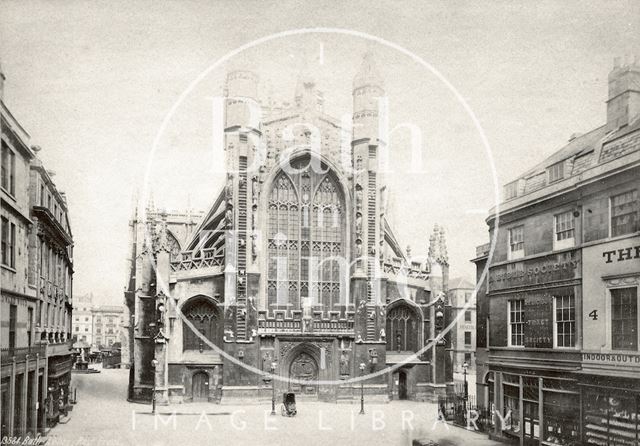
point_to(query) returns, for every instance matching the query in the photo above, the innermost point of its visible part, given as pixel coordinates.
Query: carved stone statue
(254, 244)
(254, 191)
(228, 217)
(358, 197)
(344, 363)
(228, 189)
(358, 223)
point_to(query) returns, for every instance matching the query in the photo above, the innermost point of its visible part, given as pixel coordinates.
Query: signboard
(541, 270)
(538, 317)
(612, 358)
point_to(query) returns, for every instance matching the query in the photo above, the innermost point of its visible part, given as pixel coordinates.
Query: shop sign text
(620, 255)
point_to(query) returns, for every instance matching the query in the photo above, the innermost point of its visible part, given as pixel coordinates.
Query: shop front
(610, 369)
(611, 410)
(535, 349)
(537, 410)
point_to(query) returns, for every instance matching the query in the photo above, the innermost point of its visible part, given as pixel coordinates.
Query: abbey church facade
(294, 271)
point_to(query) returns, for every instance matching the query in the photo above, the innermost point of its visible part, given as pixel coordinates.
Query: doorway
(200, 387)
(402, 385)
(302, 369)
(531, 423)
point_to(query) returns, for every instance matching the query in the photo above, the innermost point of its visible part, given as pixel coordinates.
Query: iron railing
(466, 412)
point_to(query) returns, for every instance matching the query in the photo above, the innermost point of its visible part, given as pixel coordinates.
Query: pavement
(103, 416)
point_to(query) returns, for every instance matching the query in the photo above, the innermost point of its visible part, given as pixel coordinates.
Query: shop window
(511, 405)
(610, 417)
(467, 316)
(564, 224)
(467, 338)
(624, 318)
(561, 411)
(516, 242)
(516, 322)
(624, 213)
(565, 321)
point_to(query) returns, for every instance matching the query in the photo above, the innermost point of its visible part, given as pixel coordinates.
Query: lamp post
(362, 366)
(466, 384)
(273, 388)
(154, 364)
(466, 390)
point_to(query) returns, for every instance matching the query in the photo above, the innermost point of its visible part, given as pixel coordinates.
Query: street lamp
(466, 384)
(154, 364)
(466, 389)
(362, 366)
(273, 388)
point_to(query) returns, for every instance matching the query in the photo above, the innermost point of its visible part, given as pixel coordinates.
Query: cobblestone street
(104, 417)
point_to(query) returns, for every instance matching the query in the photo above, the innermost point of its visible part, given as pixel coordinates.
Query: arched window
(403, 329)
(306, 227)
(205, 318)
(174, 247)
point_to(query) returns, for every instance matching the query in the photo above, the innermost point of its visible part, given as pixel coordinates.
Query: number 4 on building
(594, 315)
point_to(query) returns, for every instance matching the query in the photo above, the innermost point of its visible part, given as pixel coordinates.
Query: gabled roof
(460, 283)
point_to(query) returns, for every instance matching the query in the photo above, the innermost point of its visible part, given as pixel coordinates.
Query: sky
(92, 82)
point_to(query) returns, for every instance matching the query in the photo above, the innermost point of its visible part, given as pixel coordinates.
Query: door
(200, 386)
(304, 368)
(402, 385)
(531, 423)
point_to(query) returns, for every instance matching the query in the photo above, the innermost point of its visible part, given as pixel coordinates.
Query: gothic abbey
(294, 270)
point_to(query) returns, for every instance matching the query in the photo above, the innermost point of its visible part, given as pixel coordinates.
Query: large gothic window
(204, 317)
(306, 236)
(174, 247)
(402, 329)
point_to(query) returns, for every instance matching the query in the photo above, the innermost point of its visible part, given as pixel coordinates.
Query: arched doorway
(200, 386)
(304, 368)
(402, 385)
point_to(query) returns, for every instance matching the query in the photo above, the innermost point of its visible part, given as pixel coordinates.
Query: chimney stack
(623, 102)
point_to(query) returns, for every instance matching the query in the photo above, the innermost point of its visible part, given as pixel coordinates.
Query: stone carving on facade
(161, 238)
(228, 217)
(359, 195)
(254, 192)
(358, 224)
(344, 363)
(285, 347)
(228, 189)
(438, 247)
(267, 359)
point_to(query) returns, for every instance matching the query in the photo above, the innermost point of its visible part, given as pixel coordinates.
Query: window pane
(624, 319)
